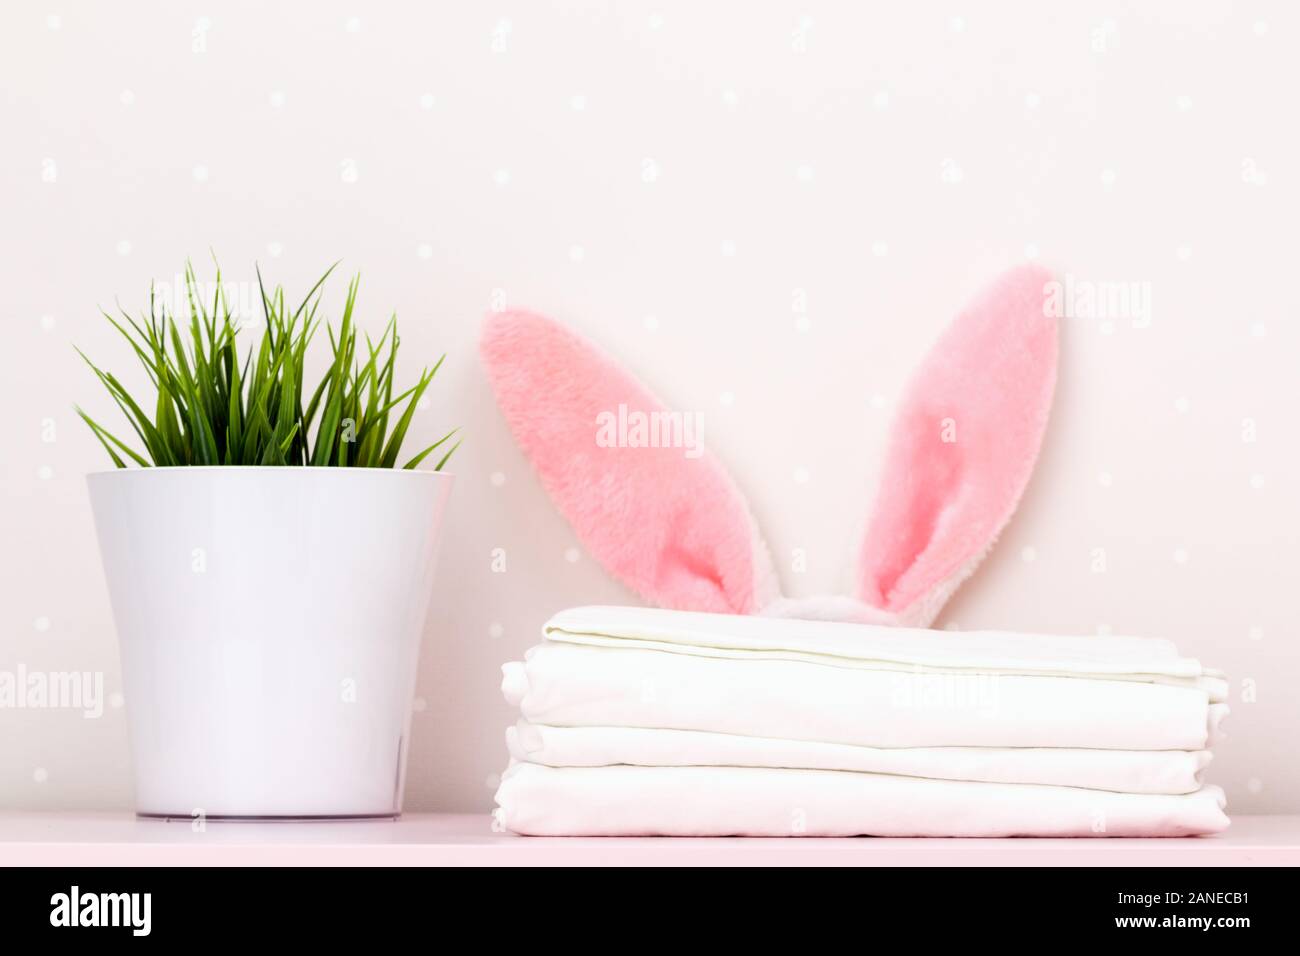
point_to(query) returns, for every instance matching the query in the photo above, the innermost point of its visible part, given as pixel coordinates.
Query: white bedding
(570, 685)
(746, 801)
(1128, 771)
(638, 721)
(882, 648)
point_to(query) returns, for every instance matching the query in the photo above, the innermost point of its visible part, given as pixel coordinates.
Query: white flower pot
(269, 622)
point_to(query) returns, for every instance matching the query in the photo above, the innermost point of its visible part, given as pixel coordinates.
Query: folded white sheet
(745, 801)
(571, 685)
(882, 648)
(1130, 771)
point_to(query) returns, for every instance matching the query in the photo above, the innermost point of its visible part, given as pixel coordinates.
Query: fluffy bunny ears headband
(678, 532)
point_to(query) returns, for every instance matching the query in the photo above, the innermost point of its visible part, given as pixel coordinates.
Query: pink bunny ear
(662, 516)
(963, 446)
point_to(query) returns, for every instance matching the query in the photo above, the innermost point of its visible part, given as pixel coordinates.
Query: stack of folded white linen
(650, 722)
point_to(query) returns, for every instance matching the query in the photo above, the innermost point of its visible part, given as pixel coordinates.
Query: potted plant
(269, 564)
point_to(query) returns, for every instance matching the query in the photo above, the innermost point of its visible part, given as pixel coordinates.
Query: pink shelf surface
(116, 839)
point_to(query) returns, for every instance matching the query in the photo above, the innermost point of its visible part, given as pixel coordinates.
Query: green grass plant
(210, 407)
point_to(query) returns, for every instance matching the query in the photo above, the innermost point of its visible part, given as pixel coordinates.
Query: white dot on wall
(1031, 250)
(651, 323)
(1104, 479)
(957, 25)
(1181, 404)
(419, 705)
(426, 101)
(878, 402)
(1259, 330)
(1180, 556)
(1108, 177)
(1255, 785)
(727, 398)
(1032, 101)
(501, 177)
(116, 700)
(353, 25)
(274, 249)
(1028, 554)
(730, 99)
(200, 174)
(40, 775)
(1261, 28)
(577, 253)
(497, 478)
(424, 250)
(496, 629)
(45, 472)
(728, 248)
(126, 98)
(804, 173)
(572, 555)
(577, 102)
(1184, 103)
(655, 21)
(880, 100)
(1257, 481)
(123, 247)
(879, 248)
(54, 21)
(276, 99)
(42, 624)
(1256, 633)
(801, 476)
(1183, 253)
(47, 322)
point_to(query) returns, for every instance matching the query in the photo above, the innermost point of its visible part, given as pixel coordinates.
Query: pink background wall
(769, 211)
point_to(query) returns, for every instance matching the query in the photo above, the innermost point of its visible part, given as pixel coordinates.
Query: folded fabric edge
(837, 639)
(1215, 687)
(515, 686)
(524, 741)
(510, 814)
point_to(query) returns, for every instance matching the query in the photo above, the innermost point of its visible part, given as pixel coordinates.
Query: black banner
(231, 905)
